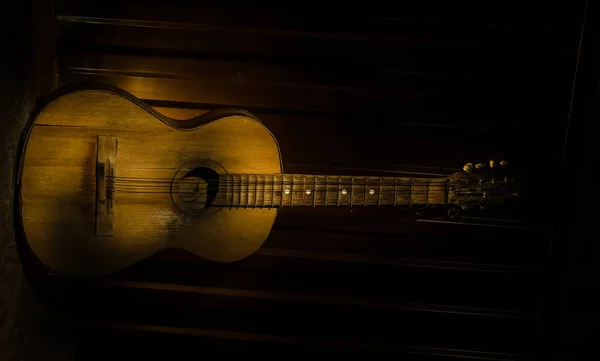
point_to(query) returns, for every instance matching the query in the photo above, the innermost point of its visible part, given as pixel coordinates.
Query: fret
(395, 191)
(410, 192)
(303, 190)
(232, 190)
(292, 192)
(239, 192)
(230, 194)
(365, 195)
(351, 190)
(315, 193)
(249, 192)
(248, 177)
(263, 184)
(260, 190)
(339, 192)
(236, 191)
(427, 193)
(272, 190)
(255, 189)
(261, 200)
(282, 186)
(379, 194)
(242, 191)
(326, 188)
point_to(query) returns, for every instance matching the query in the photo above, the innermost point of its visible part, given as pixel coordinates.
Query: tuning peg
(480, 166)
(492, 163)
(468, 167)
(504, 163)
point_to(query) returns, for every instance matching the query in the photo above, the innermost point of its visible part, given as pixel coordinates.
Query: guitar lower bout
(160, 188)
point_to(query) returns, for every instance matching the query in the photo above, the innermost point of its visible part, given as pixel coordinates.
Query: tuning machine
(503, 163)
(481, 185)
(468, 168)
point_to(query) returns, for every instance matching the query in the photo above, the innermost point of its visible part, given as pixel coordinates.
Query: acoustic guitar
(103, 181)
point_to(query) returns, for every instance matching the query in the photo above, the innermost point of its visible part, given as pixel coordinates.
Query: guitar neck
(291, 190)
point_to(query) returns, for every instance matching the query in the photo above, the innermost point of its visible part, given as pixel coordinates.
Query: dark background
(411, 90)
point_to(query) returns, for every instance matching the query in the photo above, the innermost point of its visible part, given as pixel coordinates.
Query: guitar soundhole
(193, 190)
(199, 187)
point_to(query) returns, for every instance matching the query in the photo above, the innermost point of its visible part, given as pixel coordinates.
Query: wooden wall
(374, 90)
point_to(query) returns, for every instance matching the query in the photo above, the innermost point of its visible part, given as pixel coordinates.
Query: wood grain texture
(58, 184)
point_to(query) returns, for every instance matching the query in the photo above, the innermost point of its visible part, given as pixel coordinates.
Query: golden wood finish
(211, 184)
(58, 184)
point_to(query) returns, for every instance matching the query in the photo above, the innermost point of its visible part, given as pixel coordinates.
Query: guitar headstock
(483, 185)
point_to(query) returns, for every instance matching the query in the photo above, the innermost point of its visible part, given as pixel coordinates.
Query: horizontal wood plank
(222, 314)
(405, 90)
(435, 20)
(162, 339)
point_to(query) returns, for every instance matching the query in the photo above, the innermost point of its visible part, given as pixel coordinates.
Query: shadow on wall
(27, 329)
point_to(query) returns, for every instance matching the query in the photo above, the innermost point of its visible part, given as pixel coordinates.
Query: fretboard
(291, 190)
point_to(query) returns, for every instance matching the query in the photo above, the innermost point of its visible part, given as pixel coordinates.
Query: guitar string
(285, 181)
(276, 175)
(269, 187)
(440, 192)
(196, 184)
(289, 175)
(251, 187)
(248, 190)
(211, 183)
(288, 181)
(156, 185)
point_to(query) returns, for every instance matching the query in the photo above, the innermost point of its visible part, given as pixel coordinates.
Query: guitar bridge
(105, 172)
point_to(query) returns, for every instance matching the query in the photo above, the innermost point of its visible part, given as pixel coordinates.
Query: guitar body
(56, 182)
(104, 181)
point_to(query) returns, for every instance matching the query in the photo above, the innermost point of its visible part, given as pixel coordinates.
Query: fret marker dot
(308, 191)
(372, 191)
(344, 191)
(287, 191)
